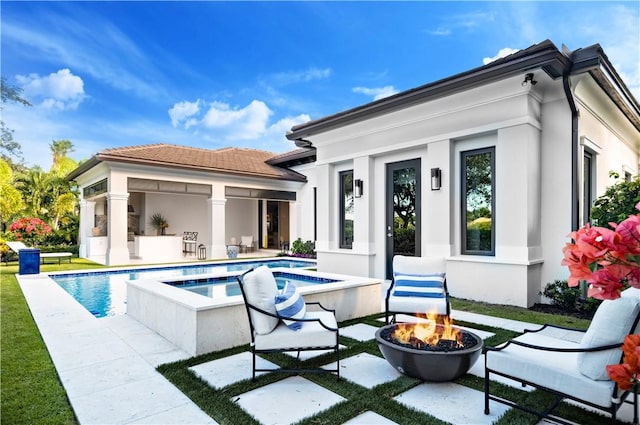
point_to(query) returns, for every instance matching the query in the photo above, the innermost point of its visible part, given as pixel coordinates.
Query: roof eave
(548, 58)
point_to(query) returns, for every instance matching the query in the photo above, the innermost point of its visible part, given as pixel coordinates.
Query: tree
(10, 197)
(60, 149)
(8, 147)
(618, 202)
(404, 196)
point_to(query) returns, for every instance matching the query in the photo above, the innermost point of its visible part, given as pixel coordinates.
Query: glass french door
(403, 210)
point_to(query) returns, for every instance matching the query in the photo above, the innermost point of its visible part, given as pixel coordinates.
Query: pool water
(220, 287)
(104, 293)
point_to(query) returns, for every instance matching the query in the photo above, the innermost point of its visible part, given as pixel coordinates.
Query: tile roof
(238, 161)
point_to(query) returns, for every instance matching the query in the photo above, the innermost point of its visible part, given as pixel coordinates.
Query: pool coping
(199, 324)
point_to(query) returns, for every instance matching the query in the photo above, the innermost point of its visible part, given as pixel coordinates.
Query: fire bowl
(430, 365)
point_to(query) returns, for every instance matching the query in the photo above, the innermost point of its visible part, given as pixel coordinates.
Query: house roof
(544, 55)
(235, 161)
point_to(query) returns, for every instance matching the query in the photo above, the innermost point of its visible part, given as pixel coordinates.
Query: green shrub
(569, 298)
(301, 248)
(617, 203)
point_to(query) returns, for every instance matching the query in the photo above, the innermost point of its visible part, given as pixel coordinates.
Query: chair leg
(253, 377)
(486, 389)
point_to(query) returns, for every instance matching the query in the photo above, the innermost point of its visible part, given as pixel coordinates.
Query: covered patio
(218, 197)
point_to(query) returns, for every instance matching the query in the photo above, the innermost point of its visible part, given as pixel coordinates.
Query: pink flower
(609, 260)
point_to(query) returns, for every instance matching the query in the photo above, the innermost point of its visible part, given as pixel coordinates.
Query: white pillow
(611, 323)
(290, 303)
(261, 289)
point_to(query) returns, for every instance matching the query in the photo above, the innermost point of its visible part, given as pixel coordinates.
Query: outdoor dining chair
(283, 322)
(418, 287)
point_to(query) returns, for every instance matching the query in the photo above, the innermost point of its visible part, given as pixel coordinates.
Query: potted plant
(159, 222)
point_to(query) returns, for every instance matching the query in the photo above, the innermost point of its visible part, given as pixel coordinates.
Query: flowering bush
(30, 230)
(627, 374)
(609, 260)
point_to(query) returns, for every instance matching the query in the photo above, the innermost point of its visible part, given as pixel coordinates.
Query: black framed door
(403, 205)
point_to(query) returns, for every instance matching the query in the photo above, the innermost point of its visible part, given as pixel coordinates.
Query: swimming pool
(227, 286)
(104, 292)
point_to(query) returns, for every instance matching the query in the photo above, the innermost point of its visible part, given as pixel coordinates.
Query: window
(478, 201)
(588, 185)
(346, 209)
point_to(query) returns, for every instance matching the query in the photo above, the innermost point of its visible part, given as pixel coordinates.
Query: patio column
(216, 228)
(117, 250)
(87, 218)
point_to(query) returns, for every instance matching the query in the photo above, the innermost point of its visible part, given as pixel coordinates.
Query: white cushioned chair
(274, 331)
(419, 287)
(567, 362)
(246, 243)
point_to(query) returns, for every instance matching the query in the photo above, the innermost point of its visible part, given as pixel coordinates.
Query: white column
(216, 228)
(263, 242)
(87, 221)
(294, 230)
(325, 207)
(117, 250)
(363, 234)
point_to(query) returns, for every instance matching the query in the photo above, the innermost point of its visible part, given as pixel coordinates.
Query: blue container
(29, 261)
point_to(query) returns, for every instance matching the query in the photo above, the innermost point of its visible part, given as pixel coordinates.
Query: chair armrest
(544, 348)
(549, 325)
(321, 306)
(277, 316)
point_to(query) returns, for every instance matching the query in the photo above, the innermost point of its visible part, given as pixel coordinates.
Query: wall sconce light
(436, 179)
(528, 79)
(357, 188)
(130, 208)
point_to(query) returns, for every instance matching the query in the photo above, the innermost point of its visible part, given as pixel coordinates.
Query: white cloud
(501, 53)
(181, 111)
(294, 77)
(238, 123)
(376, 92)
(57, 91)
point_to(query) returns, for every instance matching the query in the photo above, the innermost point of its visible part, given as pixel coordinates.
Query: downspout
(575, 201)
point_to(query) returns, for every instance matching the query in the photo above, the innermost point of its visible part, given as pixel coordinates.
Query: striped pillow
(289, 303)
(426, 285)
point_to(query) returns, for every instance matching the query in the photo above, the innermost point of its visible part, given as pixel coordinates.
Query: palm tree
(60, 149)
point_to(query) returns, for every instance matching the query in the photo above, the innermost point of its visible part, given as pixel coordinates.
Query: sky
(213, 74)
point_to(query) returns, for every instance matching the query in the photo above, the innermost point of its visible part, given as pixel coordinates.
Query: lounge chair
(419, 287)
(246, 243)
(283, 322)
(570, 363)
(17, 246)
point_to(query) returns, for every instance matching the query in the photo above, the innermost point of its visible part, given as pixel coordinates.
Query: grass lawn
(31, 393)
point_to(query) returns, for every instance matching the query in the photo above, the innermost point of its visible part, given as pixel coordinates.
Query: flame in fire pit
(428, 332)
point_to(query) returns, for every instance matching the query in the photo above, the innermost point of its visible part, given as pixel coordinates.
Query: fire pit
(429, 351)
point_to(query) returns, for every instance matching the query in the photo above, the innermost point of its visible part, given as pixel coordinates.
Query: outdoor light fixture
(528, 79)
(130, 208)
(436, 179)
(357, 188)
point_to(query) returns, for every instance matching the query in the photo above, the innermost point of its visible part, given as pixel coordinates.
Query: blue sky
(217, 74)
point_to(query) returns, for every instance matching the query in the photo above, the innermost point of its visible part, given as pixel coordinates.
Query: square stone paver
(366, 370)
(452, 403)
(287, 401)
(228, 370)
(359, 332)
(370, 418)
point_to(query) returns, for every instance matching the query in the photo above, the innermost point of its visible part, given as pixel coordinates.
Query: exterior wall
(243, 221)
(504, 115)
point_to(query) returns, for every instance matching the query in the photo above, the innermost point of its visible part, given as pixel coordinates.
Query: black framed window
(346, 209)
(588, 186)
(478, 201)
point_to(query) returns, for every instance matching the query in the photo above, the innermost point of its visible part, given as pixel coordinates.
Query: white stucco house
(490, 168)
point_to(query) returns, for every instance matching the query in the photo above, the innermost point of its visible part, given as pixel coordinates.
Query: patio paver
(303, 399)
